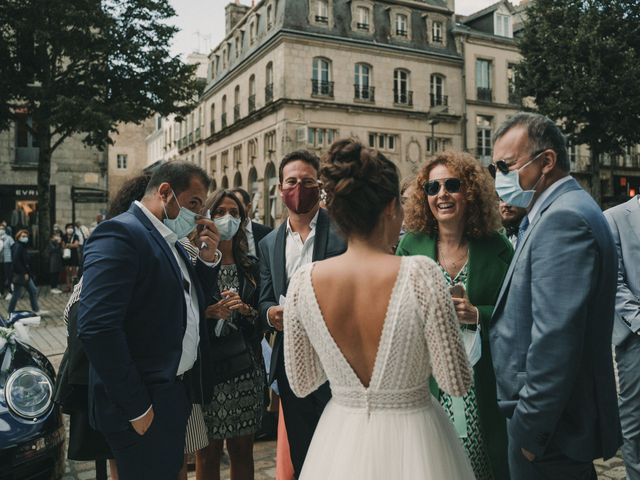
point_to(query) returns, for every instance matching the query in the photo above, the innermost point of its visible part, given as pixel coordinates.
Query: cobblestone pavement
(50, 338)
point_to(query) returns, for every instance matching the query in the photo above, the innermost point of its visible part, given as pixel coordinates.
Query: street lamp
(433, 119)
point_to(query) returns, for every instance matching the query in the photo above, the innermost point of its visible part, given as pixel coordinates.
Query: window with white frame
(438, 144)
(383, 141)
(321, 137)
(437, 95)
(270, 142)
(483, 80)
(483, 138)
(401, 93)
(363, 18)
(362, 82)
(401, 25)
(252, 33)
(503, 25)
(436, 32)
(322, 11)
(321, 77)
(121, 161)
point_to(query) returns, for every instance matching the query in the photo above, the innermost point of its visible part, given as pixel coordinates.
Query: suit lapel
(155, 234)
(633, 215)
(567, 187)
(321, 237)
(280, 261)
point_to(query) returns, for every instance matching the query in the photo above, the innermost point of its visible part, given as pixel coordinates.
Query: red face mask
(300, 199)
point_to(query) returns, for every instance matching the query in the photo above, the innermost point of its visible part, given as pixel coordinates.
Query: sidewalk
(50, 338)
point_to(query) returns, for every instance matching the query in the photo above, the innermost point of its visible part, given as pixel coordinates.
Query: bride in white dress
(376, 326)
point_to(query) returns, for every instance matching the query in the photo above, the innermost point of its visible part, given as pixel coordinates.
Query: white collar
(312, 224)
(165, 231)
(249, 226)
(544, 195)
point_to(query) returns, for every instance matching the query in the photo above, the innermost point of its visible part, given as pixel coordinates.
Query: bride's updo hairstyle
(359, 183)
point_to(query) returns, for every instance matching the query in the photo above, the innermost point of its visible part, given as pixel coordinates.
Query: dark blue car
(31, 430)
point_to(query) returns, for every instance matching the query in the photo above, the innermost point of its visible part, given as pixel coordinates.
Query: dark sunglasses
(451, 185)
(503, 166)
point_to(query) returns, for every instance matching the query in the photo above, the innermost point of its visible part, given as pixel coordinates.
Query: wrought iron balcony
(236, 113)
(252, 103)
(323, 89)
(401, 32)
(437, 39)
(362, 26)
(439, 100)
(364, 93)
(268, 93)
(403, 97)
(485, 94)
(223, 120)
(322, 19)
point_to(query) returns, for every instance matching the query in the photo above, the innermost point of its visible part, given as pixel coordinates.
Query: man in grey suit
(551, 337)
(307, 236)
(624, 221)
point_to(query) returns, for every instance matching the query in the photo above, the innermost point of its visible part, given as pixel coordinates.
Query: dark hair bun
(359, 183)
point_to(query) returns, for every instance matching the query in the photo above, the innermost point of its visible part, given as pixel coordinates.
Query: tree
(80, 67)
(581, 64)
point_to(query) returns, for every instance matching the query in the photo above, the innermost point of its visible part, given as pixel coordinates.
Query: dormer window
(269, 17)
(252, 33)
(322, 12)
(363, 18)
(502, 25)
(436, 35)
(237, 46)
(401, 25)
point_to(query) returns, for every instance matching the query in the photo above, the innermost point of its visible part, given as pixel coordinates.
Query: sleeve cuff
(138, 418)
(267, 316)
(215, 263)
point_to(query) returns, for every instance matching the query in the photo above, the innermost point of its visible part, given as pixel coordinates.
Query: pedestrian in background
(22, 275)
(7, 263)
(55, 261)
(552, 325)
(511, 218)
(70, 254)
(624, 221)
(452, 218)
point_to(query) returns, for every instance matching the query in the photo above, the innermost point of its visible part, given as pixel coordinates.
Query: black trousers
(553, 465)
(159, 453)
(301, 416)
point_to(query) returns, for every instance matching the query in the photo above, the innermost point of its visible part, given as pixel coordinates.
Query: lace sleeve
(303, 366)
(448, 357)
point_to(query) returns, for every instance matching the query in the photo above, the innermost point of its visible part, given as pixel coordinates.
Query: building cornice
(501, 106)
(486, 38)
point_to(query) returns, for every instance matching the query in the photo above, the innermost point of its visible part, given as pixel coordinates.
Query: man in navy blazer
(141, 322)
(551, 337)
(307, 236)
(624, 221)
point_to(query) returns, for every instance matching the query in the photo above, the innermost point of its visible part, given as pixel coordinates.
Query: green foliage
(83, 66)
(582, 66)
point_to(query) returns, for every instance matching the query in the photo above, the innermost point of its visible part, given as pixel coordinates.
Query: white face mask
(227, 226)
(184, 223)
(69, 231)
(509, 189)
(472, 344)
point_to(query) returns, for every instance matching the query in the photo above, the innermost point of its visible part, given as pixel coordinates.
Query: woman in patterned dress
(235, 413)
(452, 217)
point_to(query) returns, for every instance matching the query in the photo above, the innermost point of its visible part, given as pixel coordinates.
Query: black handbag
(230, 356)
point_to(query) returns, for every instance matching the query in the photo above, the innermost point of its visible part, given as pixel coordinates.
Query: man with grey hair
(552, 324)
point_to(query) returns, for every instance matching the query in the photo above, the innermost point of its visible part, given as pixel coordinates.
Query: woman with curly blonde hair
(452, 217)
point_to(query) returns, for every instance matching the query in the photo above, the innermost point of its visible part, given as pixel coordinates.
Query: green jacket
(489, 260)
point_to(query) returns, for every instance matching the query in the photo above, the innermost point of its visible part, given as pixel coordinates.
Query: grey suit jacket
(624, 221)
(273, 270)
(551, 337)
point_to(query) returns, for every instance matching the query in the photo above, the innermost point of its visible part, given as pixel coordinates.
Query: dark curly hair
(359, 183)
(240, 244)
(133, 189)
(482, 218)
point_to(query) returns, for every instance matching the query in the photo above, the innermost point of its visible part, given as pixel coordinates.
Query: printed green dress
(463, 412)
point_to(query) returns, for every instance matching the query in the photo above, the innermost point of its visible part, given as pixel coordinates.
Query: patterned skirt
(473, 441)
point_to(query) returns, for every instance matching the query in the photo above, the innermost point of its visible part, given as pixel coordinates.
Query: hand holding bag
(230, 357)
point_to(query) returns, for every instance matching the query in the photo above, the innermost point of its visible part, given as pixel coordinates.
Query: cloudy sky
(202, 21)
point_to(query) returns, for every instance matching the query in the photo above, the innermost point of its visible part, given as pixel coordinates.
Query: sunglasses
(451, 185)
(503, 167)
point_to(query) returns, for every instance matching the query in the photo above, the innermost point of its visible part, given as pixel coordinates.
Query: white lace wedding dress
(393, 429)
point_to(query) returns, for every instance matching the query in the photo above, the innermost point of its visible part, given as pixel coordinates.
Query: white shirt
(544, 195)
(248, 229)
(297, 254)
(192, 333)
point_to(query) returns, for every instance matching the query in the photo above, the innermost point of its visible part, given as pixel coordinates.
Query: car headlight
(28, 392)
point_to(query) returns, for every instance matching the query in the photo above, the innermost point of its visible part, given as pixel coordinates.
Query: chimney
(234, 12)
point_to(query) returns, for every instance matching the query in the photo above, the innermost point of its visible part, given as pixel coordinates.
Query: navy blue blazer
(273, 270)
(132, 319)
(551, 336)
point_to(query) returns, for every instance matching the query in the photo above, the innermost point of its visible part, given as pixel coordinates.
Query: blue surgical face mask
(227, 226)
(509, 189)
(23, 239)
(183, 224)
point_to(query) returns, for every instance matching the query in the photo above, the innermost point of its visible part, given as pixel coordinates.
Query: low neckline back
(385, 326)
